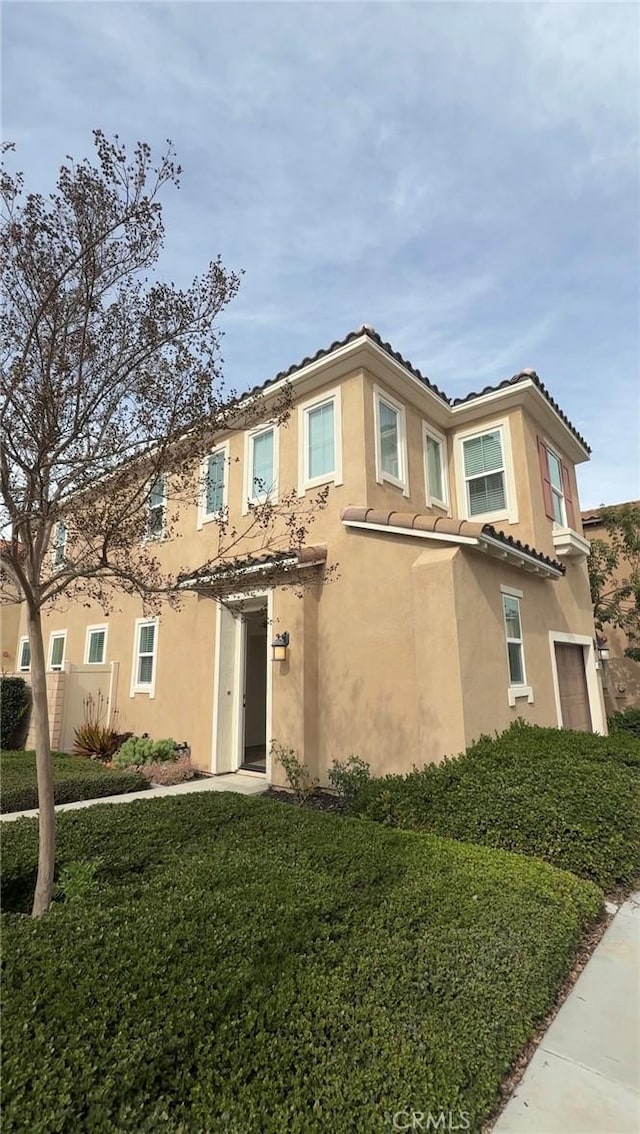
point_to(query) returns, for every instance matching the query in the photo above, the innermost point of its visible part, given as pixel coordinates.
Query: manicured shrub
(139, 750)
(571, 798)
(15, 700)
(283, 970)
(74, 778)
(347, 777)
(627, 720)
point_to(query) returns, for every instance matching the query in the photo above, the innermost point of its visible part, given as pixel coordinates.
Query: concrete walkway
(585, 1076)
(244, 783)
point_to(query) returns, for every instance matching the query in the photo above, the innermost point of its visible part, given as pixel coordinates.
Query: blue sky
(463, 176)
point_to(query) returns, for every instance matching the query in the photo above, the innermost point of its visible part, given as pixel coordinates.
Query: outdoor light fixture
(603, 649)
(279, 646)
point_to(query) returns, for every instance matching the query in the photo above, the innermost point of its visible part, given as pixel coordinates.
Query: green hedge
(15, 698)
(571, 798)
(244, 965)
(75, 778)
(627, 720)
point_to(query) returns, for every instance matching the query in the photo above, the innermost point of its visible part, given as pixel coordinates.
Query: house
(460, 600)
(621, 672)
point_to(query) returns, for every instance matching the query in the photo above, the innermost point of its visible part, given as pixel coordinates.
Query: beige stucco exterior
(401, 658)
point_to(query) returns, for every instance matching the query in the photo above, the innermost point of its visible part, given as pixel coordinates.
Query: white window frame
(510, 510)
(205, 517)
(150, 536)
(87, 643)
(23, 668)
(59, 550)
(382, 476)
(440, 439)
(249, 439)
(52, 637)
(521, 689)
(150, 687)
(304, 411)
(551, 452)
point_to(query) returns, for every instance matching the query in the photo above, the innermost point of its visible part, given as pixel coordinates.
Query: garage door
(572, 682)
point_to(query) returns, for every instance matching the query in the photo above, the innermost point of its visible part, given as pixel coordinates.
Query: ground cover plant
(75, 778)
(216, 962)
(571, 798)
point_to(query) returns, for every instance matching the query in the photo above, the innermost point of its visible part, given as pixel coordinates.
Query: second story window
(262, 465)
(155, 509)
(436, 468)
(484, 473)
(214, 483)
(319, 423)
(59, 544)
(556, 487)
(391, 445)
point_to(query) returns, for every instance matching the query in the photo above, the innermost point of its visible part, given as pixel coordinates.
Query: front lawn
(74, 778)
(224, 963)
(572, 798)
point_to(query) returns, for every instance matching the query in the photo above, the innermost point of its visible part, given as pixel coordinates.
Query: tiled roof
(592, 515)
(447, 526)
(269, 563)
(365, 329)
(524, 376)
(371, 333)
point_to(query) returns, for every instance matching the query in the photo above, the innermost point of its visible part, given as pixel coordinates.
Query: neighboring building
(622, 685)
(461, 600)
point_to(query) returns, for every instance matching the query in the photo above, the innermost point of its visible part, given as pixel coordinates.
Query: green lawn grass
(571, 798)
(240, 965)
(75, 777)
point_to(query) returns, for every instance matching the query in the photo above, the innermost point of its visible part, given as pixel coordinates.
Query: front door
(254, 724)
(572, 684)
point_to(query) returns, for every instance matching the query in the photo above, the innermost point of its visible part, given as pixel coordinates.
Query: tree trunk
(44, 768)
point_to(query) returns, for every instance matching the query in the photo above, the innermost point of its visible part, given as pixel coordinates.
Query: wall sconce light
(603, 649)
(280, 645)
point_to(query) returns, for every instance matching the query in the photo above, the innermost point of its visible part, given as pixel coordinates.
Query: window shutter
(546, 478)
(568, 502)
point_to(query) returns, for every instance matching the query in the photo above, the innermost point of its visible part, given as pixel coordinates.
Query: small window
(145, 655)
(513, 630)
(484, 473)
(24, 655)
(56, 651)
(215, 483)
(60, 544)
(155, 509)
(262, 465)
(556, 487)
(391, 456)
(96, 645)
(321, 451)
(436, 470)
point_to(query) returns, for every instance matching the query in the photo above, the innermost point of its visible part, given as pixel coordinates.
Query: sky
(463, 176)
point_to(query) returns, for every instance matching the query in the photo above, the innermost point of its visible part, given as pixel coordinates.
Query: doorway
(254, 700)
(572, 687)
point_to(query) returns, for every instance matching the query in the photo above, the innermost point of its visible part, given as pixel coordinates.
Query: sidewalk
(585, 1076)
(244, 784)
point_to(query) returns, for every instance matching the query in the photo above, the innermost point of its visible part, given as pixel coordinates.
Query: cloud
(463, 176)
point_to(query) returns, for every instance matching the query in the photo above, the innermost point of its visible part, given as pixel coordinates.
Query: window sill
(389, 478)
(146, 690)
(568, 544)
(517, 692)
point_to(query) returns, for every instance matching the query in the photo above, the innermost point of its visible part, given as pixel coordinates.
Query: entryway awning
(276, 568)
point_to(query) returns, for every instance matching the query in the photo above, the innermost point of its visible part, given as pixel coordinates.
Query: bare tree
(110, 398)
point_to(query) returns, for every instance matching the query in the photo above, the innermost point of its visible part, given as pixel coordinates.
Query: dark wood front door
(572, 682)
